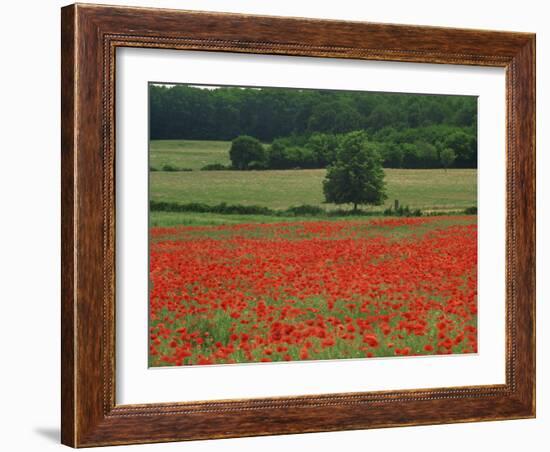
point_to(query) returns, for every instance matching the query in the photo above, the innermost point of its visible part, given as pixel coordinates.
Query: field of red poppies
(313, 290)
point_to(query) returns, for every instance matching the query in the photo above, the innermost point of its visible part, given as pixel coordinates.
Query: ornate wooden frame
(90, 35)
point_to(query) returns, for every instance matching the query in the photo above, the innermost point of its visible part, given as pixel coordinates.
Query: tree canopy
(448, 157)
(188, 112)
(302, 125)
(357, 176)
(246, 151)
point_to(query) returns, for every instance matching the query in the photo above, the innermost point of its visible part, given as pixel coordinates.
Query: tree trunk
(355, 207)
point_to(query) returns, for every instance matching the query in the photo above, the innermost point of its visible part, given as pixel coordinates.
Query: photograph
(295, 224)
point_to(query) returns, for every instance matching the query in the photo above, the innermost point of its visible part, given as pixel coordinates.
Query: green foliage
(188, 112)
(307, 124)
(357, 176)
(214, 167)
(306, 210)
(334, 113)
(235, 209)
(302, 211)
(296, 152)
(447, 157)
(420, 145)
(245, 150)
(156, 206)
(392, 154)
(299, 157)
(319, 151)
(172, 168)
(427, 155)
(283, 154)
(465, 147)
(276, 155)
(323, 147)
(402, 211)
(257, 165)
(410, 155)
(412, 148)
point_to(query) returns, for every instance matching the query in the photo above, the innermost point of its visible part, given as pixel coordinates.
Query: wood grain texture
(68, 387)
(90, 36)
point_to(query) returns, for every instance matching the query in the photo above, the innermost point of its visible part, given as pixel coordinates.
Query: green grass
(173, 219)
(168, 219)
(188, 154)
(428, 190)
(280, 189)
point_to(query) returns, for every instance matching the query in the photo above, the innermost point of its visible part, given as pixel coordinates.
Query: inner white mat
(136, 383)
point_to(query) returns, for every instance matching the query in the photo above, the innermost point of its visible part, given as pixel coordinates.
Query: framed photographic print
(281, 225)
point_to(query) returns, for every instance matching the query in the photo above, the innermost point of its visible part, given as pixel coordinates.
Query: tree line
(302, 128)
(320, 150)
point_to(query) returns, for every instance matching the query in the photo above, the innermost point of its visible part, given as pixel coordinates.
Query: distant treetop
(186, 112)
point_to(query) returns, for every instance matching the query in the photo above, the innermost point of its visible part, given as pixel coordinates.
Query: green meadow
(188, 153)
(431, 190)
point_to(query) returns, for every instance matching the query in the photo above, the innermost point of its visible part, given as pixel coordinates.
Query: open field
(187, 153)
(280, 189)
(313, 290)
(435, 189)
(251, 288)
(170, 219)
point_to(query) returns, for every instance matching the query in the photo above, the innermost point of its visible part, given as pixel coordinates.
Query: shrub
(257, 165)
(294, 157)
(205, 208)
(168, 167)
(305, 209)
(244, 150)
(403, 211)
(215, 167)
(348, 213)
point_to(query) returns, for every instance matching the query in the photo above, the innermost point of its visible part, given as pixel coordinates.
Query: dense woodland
(301, 128)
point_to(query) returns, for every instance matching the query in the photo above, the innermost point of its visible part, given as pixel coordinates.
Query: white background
(137, 384)
(30, 225)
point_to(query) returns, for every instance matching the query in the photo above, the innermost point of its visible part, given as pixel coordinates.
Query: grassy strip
(303, 210)
(280, 189)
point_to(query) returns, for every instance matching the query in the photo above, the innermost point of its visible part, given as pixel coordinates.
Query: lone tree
(357, 176)
(447, 157)
(244, 150)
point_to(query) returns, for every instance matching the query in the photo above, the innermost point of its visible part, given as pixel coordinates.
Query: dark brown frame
(90, 35)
